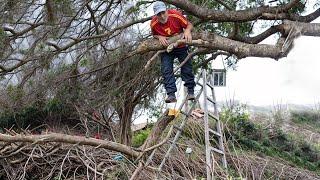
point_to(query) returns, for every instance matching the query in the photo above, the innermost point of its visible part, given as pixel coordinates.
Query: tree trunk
(125, 124)
(157, 130)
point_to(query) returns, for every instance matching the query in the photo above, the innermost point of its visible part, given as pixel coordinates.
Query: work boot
(171, 99)
(191, 97)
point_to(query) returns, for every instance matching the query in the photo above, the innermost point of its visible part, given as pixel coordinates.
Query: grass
(308, 117)
(300, 154)
(140, 136)
(271, 142)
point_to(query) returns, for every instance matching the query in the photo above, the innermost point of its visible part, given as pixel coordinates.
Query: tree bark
(125, 124)
(64, 138)
(157, 130)
(249, 14)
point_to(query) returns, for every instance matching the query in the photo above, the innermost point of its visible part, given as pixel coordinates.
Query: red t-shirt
(175, 24)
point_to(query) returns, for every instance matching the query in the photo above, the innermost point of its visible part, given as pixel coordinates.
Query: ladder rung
(178, 128)
(210, 85)
(215, 132)
(199, 84)
(184, 113)
(213, 116)
(211, 100)
(216, 150)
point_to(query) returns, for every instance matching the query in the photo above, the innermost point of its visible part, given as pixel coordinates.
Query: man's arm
(187, 32)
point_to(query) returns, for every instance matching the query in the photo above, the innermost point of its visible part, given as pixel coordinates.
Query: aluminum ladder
(209, 132)
(214, 133)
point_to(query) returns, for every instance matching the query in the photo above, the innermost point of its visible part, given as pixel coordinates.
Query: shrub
(250, 136)
(307, 116)
(140, 136)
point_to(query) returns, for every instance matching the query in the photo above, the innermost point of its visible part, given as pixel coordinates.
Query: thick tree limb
(216, 42)
(158, 129)
(248, 48)
(262, 36)
(230, 16)
(304, 29)
(64, 138)
(293, 17)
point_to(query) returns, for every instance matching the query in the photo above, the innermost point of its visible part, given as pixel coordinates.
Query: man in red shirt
(166, 23)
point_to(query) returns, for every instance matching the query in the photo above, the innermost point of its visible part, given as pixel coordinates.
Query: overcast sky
(294, 79)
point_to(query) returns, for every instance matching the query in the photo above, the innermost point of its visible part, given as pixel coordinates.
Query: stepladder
(214, 146)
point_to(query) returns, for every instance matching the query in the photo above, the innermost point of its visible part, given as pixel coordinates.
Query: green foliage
(194, 130)
(63, 67)
(84, 62)
(10, 4)
(29, 115)
(310, 117)
(134, 9)
(2, 34)
(118, 173)
(60, 1)
(274, 143)
(234, 115)
(140, 136)
(298, 9)
(54, 105)
(154, 111)
(69, 90)
(138, 8)
(209, 4)
(35, 114)
(14, 93)
(281, 145)
(64, 6)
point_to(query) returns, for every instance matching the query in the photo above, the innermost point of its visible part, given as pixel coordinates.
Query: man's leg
(167, 73)
(186, 70)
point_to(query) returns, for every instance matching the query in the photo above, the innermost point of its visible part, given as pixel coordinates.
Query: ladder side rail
(218, 124)
(206, 128)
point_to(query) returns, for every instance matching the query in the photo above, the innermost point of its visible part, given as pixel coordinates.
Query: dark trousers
(186, 70)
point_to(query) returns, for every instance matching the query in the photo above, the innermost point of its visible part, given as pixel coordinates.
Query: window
(219, 77)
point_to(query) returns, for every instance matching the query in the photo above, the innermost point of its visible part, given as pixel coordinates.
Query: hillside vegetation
(280, 144)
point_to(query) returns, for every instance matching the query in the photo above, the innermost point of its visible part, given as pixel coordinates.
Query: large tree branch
(262, 36)
(157, 130)
(230, 16)
(216, 42)
(304, 29)
(248, 48)
(282, 27)
(64, 138)
(293, 17)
